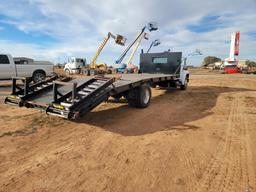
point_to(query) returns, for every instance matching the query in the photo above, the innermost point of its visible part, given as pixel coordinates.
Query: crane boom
(100, 48)
(120, 59)
(151, 26)
(154, 44)
(129, 60)
(118, 39)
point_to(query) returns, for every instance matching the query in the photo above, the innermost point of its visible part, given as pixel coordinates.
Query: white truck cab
(74, 65)
(24, 67)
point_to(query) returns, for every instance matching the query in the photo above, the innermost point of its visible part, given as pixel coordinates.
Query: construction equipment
(154, 44)
(131, 68)
(122, 67)
(230, 64)
(102, 68)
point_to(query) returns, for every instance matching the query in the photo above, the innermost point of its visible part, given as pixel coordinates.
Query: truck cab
(7, 66)
(74, 65)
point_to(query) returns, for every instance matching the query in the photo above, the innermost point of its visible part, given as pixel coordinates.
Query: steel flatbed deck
(75, 97)
(128, 81)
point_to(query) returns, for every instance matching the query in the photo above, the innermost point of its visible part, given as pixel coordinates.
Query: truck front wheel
(185, 86)
(38, 76)
(140, 97)
(67, 72)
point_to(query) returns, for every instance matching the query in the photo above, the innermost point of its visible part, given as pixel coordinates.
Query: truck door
(7, 68)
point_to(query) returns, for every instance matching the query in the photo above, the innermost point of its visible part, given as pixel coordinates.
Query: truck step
(97, 83)
(44, 85)
(66, 104)
(83, 93)
(100, 81)
(93, 86)
(88, 90)
(70, 100)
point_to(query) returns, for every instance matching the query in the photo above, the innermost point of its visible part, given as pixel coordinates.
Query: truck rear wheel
(140, 97)
(93, 72)
(86, 72)
(38, 76)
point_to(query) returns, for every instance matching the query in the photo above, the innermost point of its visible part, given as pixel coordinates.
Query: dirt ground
(202, 139)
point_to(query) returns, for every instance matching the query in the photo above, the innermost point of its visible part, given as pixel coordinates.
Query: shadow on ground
(173, 110)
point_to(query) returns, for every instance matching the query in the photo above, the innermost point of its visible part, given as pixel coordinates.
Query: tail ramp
(61, 96)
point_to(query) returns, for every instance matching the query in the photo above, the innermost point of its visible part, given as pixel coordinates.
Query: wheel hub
(146, 96)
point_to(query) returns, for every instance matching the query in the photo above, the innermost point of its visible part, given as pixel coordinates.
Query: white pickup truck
(24, 67)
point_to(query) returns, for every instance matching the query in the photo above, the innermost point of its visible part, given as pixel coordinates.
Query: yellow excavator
(102, 68)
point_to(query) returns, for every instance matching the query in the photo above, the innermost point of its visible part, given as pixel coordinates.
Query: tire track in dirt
(213, 169)
(228, 169)
(251, 179)
(232, 166)
(189, 164)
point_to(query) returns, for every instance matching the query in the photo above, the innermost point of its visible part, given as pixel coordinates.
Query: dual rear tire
(139, 97)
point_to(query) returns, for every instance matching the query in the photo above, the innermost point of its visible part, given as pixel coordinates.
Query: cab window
(160, 60)
(4, 59)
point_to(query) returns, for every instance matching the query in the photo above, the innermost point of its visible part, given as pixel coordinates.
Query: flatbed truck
(73, 98)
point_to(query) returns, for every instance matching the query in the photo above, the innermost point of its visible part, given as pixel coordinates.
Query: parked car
(24, 67)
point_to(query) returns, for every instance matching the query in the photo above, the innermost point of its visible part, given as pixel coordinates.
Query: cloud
(79, 26)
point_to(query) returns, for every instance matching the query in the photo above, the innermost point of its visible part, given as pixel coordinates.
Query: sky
(55, 30)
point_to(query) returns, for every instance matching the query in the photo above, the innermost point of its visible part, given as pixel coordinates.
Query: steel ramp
(22, 92)
(80, 99)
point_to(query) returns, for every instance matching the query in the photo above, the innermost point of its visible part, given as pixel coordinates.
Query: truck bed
(46, 97)
(83, 101)
(131, 80)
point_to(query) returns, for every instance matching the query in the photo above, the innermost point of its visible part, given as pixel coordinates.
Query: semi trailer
(73, 98)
